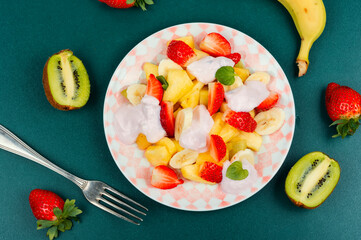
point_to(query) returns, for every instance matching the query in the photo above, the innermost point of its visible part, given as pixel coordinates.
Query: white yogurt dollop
(205, 69)
(196, 137)
(238, 186)
(144, 118)
(246, 97)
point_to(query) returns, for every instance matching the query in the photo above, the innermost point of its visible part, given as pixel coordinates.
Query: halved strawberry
(154, 88)
(217, 147)
(269, 102)
(216, 45)
(215, 97)
(180, 52)
(240, 120)
(211, 172)
(164, 178)
(235, 57)
(167, 117)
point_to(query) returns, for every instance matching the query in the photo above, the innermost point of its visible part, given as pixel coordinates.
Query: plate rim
(233, 203)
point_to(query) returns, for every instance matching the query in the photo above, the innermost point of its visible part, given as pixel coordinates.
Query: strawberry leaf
(346, 127)
(130, 1)
(236, 172)
(41, 224)
(225, 75)
(57, 212)
(52, 232)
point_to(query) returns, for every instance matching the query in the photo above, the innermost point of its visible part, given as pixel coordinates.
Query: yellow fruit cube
(187, 39)
(179, 85)
(254, 140)
(191, 172)
(236, 145)
(142, 142)
(157, 155)
(191, 99)
(224, 107)
(175, 113)
(239, 65)
(243, 73)
(177, 145)
(218, 124)
(203, 96)
(190, 75)
(169, 144)
(253, 113)
(200, 54)
(206, 157)
(228, 132)
(150, 68)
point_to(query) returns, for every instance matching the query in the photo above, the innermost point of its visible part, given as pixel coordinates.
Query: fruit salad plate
(191, 195)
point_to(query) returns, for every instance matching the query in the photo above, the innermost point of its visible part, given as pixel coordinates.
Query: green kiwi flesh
(66, 81)
(312, 179)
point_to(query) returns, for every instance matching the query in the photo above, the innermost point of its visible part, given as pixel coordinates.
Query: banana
(183, 158)
(244, 154)
(237, 83)
(165, 65)
(269, 121)
(309, 17)
(135, 93)
(259, 76)
(183, 121)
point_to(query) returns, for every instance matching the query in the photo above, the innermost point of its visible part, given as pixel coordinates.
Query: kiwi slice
(66, 81)
(312, 179)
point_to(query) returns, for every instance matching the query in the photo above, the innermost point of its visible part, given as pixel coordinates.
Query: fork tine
(101, 206)
(122, 203)
(125, 197)
(119, 208)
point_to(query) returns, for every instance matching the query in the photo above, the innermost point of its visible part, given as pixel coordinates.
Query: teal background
(31, 31)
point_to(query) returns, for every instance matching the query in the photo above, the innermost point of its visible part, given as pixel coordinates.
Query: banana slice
(244, 154)
(165, 65)
(183, 121)
(135, 93)
(259, 76)
(183, 158)
(237, 83)
(269, 121)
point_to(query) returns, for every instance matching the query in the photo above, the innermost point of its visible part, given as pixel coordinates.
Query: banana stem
(302, 58)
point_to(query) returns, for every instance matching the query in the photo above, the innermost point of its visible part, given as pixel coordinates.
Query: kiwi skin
(47, 87)
(300, 204)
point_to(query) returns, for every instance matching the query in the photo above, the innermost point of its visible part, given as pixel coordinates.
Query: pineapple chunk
(199, 54)
(157, 155)
(224, 107)
(235, 145)
(191, 99)
(228, 132)
(191, 172)
(177, 145)
(254, 140)
(243, 73)
(253, 113)
(190, 75)
(179, 85)
(142, 142)
(239, 65)
(175, 113)
(203, 97)
(187, 40)
(206, 157)
(150, 68)
(169, 144)
(218, 124)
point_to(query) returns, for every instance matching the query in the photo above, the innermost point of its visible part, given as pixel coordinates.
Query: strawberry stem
(346, 127)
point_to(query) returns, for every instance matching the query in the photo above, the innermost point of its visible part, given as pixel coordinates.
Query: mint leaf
(236, 172)
(163, 81)
(225, 75)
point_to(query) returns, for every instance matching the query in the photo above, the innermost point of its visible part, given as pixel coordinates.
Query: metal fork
(96, 192)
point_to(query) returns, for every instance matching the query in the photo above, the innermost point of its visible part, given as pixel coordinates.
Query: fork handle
(11, 143)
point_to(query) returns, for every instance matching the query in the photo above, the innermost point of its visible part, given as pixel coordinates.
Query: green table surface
(31, 31)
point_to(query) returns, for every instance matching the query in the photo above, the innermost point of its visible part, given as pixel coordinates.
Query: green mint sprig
(236, 172)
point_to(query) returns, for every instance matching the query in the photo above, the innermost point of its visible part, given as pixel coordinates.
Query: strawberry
(215, 97)
(343, 105)
(167, 117)
(211, 172)
(235, 57)
(154, 88)
(127, 3)
(51, 211)
(269, 102)
(217, 147)
(164, 178)
(180, 52)
(240, 120)
(215, 45)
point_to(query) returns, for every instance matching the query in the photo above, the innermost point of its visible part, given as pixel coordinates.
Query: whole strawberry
(127, 3)
(343, 105)
(52, 212)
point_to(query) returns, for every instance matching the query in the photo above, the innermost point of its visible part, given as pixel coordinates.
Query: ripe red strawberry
(180, 52)
(217, 147)
(52, 212)
(167, 117)
(127, 3)
(164, 178)
(269, 102)
(154, 88)
(216, 45)
(343, 105)
(240, 120)
(211, 172)
(215, 97)
(235, 57)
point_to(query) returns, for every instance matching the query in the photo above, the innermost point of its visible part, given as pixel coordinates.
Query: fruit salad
(201, 116)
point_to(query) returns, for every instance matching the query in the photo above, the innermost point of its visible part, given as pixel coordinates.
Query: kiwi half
(66, 81)
(312, 179)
